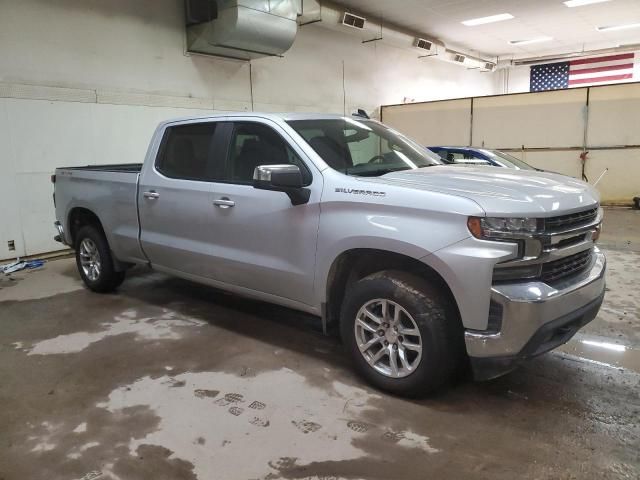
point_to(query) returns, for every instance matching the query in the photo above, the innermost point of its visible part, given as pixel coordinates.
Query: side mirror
(285, 178)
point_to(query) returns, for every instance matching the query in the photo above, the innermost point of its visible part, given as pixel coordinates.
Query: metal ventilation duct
(242, 29)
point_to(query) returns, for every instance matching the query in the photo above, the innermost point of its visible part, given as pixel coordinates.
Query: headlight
(504, 228)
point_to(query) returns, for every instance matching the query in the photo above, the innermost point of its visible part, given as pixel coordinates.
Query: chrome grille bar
(573, 220)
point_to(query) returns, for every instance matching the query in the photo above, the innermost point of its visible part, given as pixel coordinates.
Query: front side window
(362, 147)
(255, 144)
(185, 151)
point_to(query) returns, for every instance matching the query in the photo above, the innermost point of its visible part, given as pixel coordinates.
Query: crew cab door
(261, 241)
(174, 199)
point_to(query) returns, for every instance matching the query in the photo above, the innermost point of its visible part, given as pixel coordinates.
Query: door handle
(151, 195)
(224, 202)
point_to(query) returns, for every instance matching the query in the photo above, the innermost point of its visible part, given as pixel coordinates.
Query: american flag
(582, 72)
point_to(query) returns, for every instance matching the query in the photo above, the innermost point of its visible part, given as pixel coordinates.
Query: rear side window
(186, 150)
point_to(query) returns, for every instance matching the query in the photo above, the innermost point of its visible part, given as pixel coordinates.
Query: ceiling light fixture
(531, 40)
(482, 20)
(580, 3)
(618, 27)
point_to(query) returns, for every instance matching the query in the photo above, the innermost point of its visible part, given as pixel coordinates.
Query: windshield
(508, 161)
(362, 147)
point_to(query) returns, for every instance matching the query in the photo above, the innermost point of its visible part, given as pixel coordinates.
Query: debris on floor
(21, 265)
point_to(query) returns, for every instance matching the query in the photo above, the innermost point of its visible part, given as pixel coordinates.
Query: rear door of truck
(175, 199)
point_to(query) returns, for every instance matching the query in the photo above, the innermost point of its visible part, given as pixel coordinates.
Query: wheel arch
(79, 217)
(357, 263)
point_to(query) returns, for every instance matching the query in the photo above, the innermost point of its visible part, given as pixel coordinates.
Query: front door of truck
(260, 240)
(174, 199)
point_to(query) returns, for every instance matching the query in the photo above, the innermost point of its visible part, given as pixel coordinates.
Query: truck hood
(501, 191)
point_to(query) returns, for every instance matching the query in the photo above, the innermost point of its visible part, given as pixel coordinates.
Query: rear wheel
(401, 332)
(94, 261)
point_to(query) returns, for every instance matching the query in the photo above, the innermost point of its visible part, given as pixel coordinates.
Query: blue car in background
(480, 156)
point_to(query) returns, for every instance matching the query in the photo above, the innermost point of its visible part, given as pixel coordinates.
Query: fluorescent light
(531, 40)
(493, 18)
(618, 27)
(580, 3)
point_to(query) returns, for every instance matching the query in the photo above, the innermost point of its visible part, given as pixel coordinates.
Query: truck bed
(110, 192)
(121, 167)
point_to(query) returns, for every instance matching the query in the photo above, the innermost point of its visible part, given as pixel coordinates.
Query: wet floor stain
(603, 351)
(163, 326)
(172, 380)
(283, 416)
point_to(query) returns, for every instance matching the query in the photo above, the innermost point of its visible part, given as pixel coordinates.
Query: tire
(94, 261)
(422, 305)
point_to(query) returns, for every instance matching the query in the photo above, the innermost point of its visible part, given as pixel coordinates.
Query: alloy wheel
(90, 259)
(388, 338)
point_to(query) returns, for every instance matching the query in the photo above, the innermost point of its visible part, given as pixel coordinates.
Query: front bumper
(536, 318)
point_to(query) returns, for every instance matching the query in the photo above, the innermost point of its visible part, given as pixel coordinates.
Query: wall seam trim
(109, 97)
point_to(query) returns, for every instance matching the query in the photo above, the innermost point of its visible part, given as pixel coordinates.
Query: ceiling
(572, 29)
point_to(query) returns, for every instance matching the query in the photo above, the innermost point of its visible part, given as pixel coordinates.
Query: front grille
(564, 267)
(573, 220)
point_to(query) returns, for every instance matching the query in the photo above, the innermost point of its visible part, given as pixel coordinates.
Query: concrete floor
(171, 380)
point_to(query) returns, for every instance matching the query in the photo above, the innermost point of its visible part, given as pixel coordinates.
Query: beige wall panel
(564, 162)
(614, 115)
(622, 181)
(549, 119)
(619, 185)
(436, 123)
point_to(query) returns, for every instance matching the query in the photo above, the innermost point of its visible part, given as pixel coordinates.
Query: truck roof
(272, 116)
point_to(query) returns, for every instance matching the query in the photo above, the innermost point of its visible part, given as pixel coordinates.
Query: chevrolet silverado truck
(422, 267)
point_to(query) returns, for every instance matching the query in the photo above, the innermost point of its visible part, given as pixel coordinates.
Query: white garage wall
(86, 81)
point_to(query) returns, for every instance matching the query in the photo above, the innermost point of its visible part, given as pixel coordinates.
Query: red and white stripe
(609, 69)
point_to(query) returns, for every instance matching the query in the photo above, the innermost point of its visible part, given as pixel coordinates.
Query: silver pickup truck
(422, 267)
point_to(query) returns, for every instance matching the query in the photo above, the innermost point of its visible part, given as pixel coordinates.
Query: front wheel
(94, 261)
(402, 333)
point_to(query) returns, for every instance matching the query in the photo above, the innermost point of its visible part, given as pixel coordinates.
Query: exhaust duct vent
(489, 67)
(423, 44)
(199, 11)
(459, 58)
(241, 29)
(354, 21)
